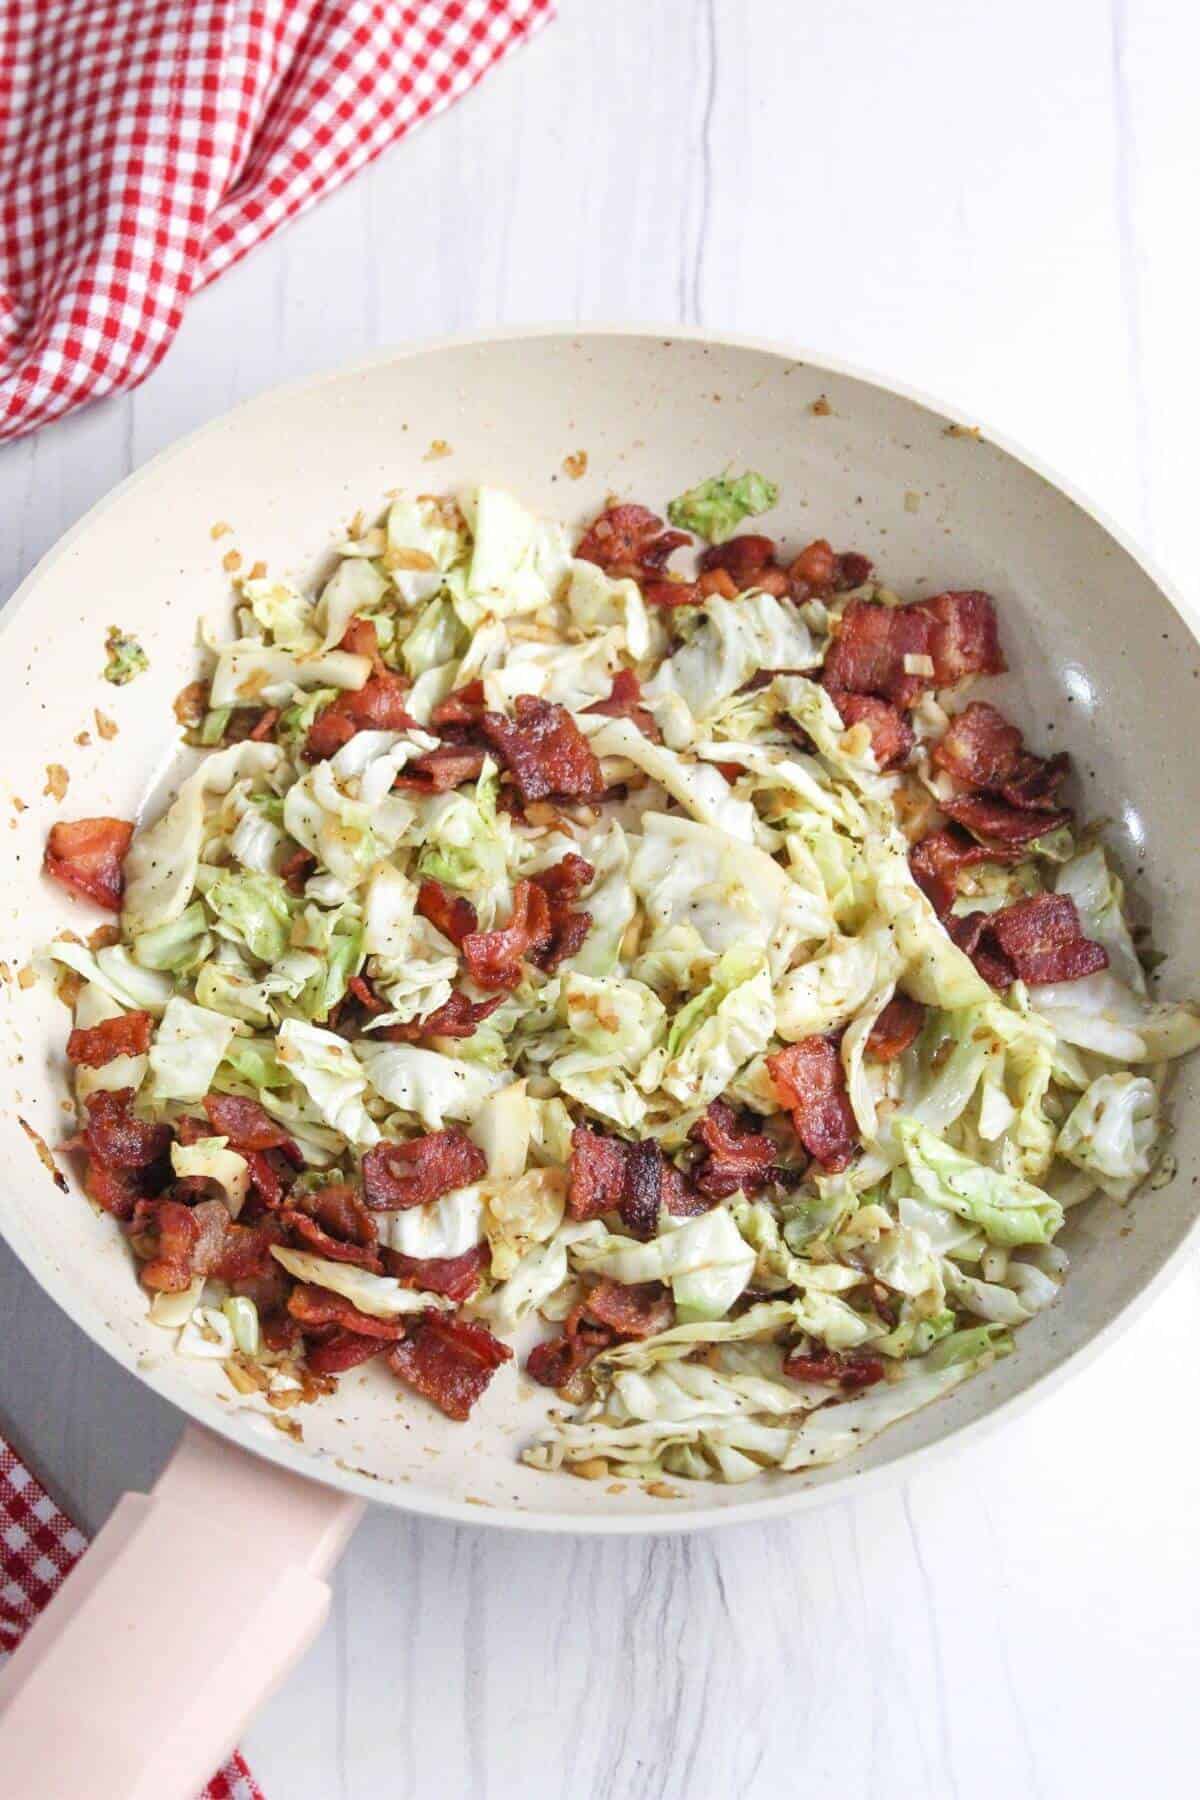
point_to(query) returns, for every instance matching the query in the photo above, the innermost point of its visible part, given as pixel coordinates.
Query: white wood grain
(993, 202)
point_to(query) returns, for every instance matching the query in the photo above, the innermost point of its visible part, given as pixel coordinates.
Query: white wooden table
(997, 203)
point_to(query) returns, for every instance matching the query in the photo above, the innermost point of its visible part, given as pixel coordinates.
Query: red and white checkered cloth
(39, 1547)
(146, 145)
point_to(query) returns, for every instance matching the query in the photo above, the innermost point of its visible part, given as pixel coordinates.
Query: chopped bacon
(245, 1253)
(629, 540)
(853, 568)
(455, 1276)
(462, 707)
(993, 820)
(118, 1191)
(115, 1137)
(561, 884)
(635, 1179)
(264, 725)
(964, 639)
(980, 748)
(376, 706)
(333, 1221)
(625, 702)
(457, 1018)
(809, 1079)
(937, 859)
(850, 1370)
(270, 1176)
(189, 1241)
(341, 1351)
(494, 958)
(719, 582)
(449, 1361)
(314, 1306)
(248, 1126)
(399, 1175)
(559, 1361)
(815, 569)
(895, 1029)
(971, 932)
(670, 594)
(743, 557)
(95, 1045)
(867, 655)
(451, 914)
(597, 1174)
(738, 1156)
(361, 638)
(360, 987)
(1044, 941)
(296, 870)
(87, 856)
(544, 750)
(632, 1310)
(890, 732)
(440, 770)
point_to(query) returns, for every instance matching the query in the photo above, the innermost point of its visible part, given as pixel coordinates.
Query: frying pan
(215, 1581)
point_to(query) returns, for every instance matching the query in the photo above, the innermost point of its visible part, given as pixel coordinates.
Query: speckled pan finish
(1100, 652)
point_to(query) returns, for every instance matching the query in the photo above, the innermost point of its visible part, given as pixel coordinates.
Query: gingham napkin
(146, 145)
(39, 1547)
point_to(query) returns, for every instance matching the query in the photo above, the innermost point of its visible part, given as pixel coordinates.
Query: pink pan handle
(187, 1612)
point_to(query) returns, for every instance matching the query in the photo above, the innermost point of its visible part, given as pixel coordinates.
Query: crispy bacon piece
(559, 1361)
(296, 870)
(670, 594)
(562, 884)
(635, 1179)
(86, 855)
(270, 1176)
(361, 638)
(455, 1276)
(997, 823)
(314, 1306)
(333, 1221)
(494, 958)
(853, 568)
(851, 1370)
(118, 1191)
(440, 770)
(245, 1253)
(629, 541)
(738, 1156)
(264, 725)
(982, 749)
(964, 639)
(248, 1126)
(625, 702)
(632, 1310)
(360, 987)
(867, 656)
(465, 706)
(376, 706)
(341, 1351)
(399, 1175)
(937, 859)
(895, 1029)
(970, 931)
(95, 1045)
(597, 1169)
(449, 1361)
(743, 557)
(1043, 940)
(810, 1081)
(815, 569)
(544, 750)
(189, 1242)
(457, 1018)
(719, 582)
(891, 734)
(452, 914)
(114, 1136)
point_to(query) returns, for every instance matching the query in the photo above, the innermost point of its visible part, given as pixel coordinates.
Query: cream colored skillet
(1097, 646)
